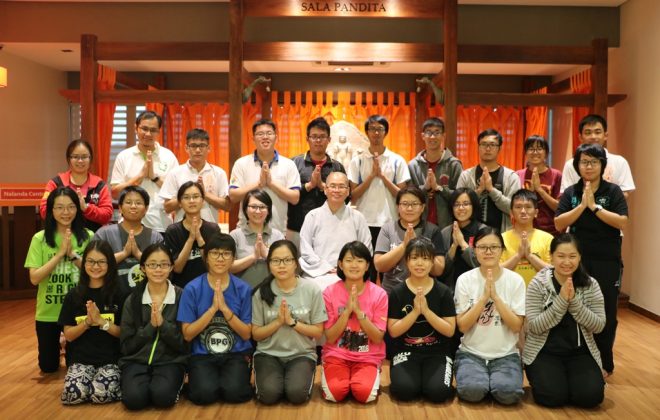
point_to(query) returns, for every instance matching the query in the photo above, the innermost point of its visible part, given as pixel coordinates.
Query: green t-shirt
(63, 278)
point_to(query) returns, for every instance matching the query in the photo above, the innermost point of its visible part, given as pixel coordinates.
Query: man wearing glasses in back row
(493, 183)
(146, 164)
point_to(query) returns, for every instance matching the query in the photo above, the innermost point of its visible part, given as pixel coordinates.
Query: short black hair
(319, 123)
(412, 190)
(358, 250)
(535, 139)
(434, 122)
(148, 115)
(76, 143)
(489, 230)
(263, 121)
(594, 150)
(525, 195)
(474, 200)
(420, 246)
(136, 189)
(220, 241)
(262, 196)
(490, 132)
(592, 119)
(185, 186)
(197, 134)
(377, 119)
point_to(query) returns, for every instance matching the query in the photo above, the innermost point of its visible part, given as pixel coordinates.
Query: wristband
(364, 316)
(156, 179)
(295, 322)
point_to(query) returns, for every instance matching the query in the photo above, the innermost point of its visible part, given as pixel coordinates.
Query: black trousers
(217, 377)
(143, 385)
(48, 338)
(416, 375)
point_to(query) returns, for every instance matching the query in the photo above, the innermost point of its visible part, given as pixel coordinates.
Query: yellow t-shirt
(539, 242)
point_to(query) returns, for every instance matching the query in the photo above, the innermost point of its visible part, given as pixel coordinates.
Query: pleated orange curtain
(251, 113)
(105, 116)
(580, 83)
(537, 118)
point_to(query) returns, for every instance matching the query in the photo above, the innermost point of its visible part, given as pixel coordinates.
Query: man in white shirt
(146, 164)
(213, 178)
(593, 129)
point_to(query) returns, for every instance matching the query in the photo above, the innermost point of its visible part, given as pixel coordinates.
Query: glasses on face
(337, 187)
(282, 261)
(410, 205)
(155, 265)
(147, 130)
(215, 254)
(488, 145)
(264, 134)
(193, 197)
(536, 150)
(257, 207)
(433, 134)
(81, 158)
(70, 208)
(318, 138)
(464, 204)
(488, 248)
(593, 163)
(91, 263)
(376, 130)
(197, 146)
(133, 203)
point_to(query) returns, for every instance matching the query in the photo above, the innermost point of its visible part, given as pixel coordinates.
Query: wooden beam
(450, 72)
(530, 54)
(560, 86)
(599, 77)
(532, 99)
(137, 51)
(125, 81)
(161, 96)
(236, 49)
(343, 51)
(88, 76)
(423, 9)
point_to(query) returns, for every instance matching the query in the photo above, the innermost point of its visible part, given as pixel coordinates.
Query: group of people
(386, 259)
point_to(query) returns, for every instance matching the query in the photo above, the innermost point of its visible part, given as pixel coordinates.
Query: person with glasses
(493, 183)
(435, 171)
(266, 169)
(154, 353)
(593, 130)
(93, 193)
(490, 309)
(376, 176)
(216, 316)
(197, 168)
(314, 166)
(130, 237)
(146, 164)
(186, 239)
(254, 238)
(354, 348)
(91, 315)
(326, 229)
(543, 180)
(288, 313)
(397, 234)
(53, 260)
(595, 211)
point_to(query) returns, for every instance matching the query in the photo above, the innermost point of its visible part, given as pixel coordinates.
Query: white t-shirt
(215, 182)
(129, 164)
(489, 338)
(247, 170)
(617, 172)
(377, 204)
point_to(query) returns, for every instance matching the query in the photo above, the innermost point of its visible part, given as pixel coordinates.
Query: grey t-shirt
(245, 239)
(306, 304)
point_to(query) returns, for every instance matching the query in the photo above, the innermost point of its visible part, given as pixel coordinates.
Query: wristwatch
(156, 179)
(597, 208)
(364, 316)
(294, 323)
(106, 326)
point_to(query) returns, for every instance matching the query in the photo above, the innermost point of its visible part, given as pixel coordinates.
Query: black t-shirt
(95, 346)
(421, 337)
(489, 213)
(449, 276)
(598, 240)
(175, 238)
(565, 337)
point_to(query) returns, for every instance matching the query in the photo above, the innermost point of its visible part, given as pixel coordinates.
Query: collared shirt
(170, 295)
(245, 239)
(617, 171)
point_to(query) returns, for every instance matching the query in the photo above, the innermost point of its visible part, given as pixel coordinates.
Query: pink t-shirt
(353, 344)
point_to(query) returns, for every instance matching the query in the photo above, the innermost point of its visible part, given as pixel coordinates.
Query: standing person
(266, 169)
(314, 166)
(595, 211)
(93, 193)
(435, 171)
(397, 234)
(154, 351)
(564, 309)
(288, 313)
(490, 307)
(197, 169)
(357, 317)
(90, 316)
(129, 237)
(376, 177)
(543, 180)
(254, 238)
(186, 239)
(526, 249)
(146, 164)
(421, 322)
(216, 316)
(593, 130)
(54, 262)
(493, 183)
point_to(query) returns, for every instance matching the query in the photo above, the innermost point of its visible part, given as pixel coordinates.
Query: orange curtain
(105, 116)
(580, 83)
(537, 118)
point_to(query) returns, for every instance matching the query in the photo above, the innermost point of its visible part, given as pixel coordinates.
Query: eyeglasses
(536, 150)
(147, 130)
(488, 248)
(80, 157)
(216, 255)
(263, 134)
(256, 207)
(338, 187)
(133, 203)
(485, 145)
(410, 205)
(197, 146)
(318, 138)
(280, 261)
(376, 130)
(433, 134)
(464, 204)
(70, 208)
(193, 197)
(153, 265)
(92, 263)
(592, 163)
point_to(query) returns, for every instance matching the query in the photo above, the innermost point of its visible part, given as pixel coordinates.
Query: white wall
(635, 70)
(33, 121)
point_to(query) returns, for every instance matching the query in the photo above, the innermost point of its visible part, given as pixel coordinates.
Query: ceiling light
(342, 69)
(3, 77)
